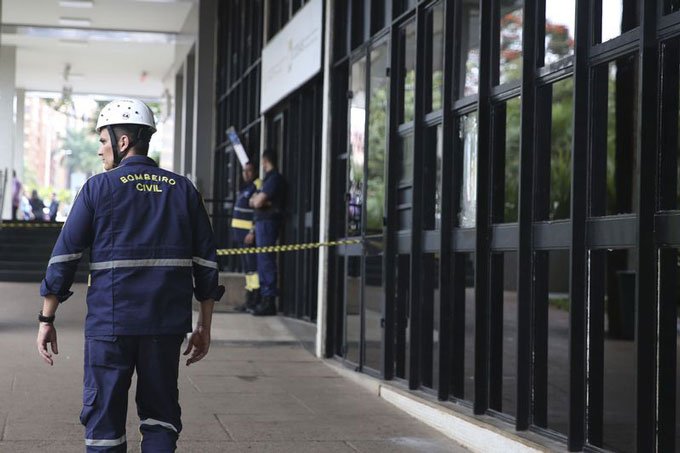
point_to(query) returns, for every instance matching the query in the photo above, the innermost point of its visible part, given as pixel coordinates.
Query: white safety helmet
(126, 111)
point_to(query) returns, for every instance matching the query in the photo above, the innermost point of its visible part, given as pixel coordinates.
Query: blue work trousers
(266, 234)
(248, 260)
(110, 362)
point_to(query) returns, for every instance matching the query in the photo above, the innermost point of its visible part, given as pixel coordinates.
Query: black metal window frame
(652, 231)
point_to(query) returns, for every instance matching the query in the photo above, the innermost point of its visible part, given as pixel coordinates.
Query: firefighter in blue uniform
(268, 204)
(243, 235)
(151, 248)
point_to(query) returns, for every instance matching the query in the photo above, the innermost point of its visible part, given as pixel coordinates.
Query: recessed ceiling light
(76, 3)
(74, 22)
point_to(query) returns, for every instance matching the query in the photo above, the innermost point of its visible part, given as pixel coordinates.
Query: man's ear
(123, 143)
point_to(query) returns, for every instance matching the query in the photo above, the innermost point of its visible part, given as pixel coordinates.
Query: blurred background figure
(37, 206)
(25, 207)
(16, 194)
(54, 207)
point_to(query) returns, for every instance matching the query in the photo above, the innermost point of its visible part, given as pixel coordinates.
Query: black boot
(250, 303)
(253, 300)
(267, 307)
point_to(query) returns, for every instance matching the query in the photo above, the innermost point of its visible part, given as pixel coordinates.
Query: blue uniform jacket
(243, 213)
(148, 234)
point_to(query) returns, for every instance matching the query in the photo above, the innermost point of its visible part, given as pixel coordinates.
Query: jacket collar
(138, 160)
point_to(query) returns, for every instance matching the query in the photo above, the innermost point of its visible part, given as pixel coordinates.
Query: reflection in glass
(618, 16)
(437, 24)
(402, 307)
(503, 328)
(612, 373)
(560, 149)
(559, 29)
(469, 346)
(614, 159)
(430, 322)
(432, 179)
(438, 192)
(355, 163)
(353, 309)
(373, 303)
(469, 64)
(512, 132)
(468, 193)
(405, 184)
(511, 20)
(551, 376)
(408, 72)
(377, 140)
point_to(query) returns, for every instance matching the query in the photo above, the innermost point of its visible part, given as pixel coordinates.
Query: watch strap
(47, 319)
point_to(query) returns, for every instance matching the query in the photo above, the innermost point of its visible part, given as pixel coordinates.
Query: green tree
(83, 146)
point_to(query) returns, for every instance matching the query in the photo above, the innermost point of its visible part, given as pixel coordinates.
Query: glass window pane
(430, 323)
(510, 59)
(560, 24)
(468, 67)
(408, 73)
(468, 191)
(671, 6)
(373, 303)
(612, 373)
(560, 150)
(353, 309)
(402, 310)
(377, 140)
(506, 163)
(615, 137)
(432, 180)
(503, 327)
(437, 47)
(355, 163)
(551, 354)
(618, 16)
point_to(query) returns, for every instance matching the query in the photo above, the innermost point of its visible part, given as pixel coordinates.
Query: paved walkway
(258, 390)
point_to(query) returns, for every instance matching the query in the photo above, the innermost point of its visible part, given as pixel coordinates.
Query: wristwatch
(47, 319)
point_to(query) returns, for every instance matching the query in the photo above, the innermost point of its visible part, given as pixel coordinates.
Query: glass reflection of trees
(377, 140)
(468, 193)
(559, 29)
(469, 66)
(512, 13)
(356, 148)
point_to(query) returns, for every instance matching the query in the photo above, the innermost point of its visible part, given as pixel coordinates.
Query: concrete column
(19, 134)
(188, 126)
(7, 121)
(178, 113)
(203, 155)
(324, 198)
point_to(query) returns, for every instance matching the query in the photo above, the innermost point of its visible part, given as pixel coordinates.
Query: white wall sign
(293, 56)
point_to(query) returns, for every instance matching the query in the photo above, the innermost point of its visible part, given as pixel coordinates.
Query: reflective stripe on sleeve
(161, 262)
(105, 442)
(206, 263)
(246, 210)
(64, 258)
(154, 422)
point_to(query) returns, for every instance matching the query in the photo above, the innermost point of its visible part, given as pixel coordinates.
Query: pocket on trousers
(89, 400)
(105, 351)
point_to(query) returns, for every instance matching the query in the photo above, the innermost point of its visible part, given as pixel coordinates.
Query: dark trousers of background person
(15, 209)
(248, 260)
(266, 234)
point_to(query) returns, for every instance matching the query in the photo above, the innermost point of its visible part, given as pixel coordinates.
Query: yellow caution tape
(287, 247)
(30, 225)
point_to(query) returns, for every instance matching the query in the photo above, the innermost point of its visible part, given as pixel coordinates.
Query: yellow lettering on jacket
(148, 187)
(142, 187)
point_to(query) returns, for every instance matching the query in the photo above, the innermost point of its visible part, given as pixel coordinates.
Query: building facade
(509, 169)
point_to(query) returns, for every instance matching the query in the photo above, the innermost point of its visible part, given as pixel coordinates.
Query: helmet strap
(117, 155)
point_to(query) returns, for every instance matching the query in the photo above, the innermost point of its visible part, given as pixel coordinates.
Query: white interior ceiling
(128, 48)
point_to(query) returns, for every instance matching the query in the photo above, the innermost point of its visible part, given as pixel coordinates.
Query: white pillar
(7, 121)
(324, 198)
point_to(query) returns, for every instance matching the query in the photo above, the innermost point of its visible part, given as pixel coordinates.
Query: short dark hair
(270, 155)
(139, 136)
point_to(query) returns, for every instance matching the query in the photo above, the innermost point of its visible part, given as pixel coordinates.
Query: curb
(478, 433)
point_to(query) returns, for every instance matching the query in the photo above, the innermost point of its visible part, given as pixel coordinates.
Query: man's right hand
(47, 334)
(249, 239)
